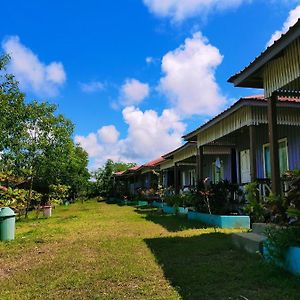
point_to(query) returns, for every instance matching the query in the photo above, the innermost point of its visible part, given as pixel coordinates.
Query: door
(245, 166)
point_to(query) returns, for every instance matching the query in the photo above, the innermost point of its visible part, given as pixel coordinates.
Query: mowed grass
(100, 251)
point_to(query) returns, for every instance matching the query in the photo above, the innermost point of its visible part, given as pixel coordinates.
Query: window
(217, 171)
(283, 158)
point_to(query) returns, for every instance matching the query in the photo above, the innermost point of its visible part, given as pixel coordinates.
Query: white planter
(47, 211)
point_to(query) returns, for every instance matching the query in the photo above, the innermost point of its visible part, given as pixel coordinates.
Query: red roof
(134, 168)
(280, 98)
(154, 162)
(119, 173)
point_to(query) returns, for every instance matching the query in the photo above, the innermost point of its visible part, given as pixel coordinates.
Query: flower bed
(221, 220)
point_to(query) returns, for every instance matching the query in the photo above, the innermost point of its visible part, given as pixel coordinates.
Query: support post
(273, 139)
(253, 147)
(199, 164)
(233, 166)
(176, 179)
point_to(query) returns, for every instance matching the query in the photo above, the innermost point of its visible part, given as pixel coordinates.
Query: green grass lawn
(100, 251)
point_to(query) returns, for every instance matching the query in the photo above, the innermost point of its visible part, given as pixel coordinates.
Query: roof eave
(243, 78)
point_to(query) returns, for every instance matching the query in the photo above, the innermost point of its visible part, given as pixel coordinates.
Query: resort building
(240, 138)
(277, 71)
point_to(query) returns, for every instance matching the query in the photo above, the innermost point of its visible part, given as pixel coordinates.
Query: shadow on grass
(172, 223)
(208, 267)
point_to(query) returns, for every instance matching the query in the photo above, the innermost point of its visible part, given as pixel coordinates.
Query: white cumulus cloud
(109, 134)
(90, 144)
(133, 92)
(189, 77)
(92, 86)
(293, 17)
(178, 10)
(33, 75)
(149, 136)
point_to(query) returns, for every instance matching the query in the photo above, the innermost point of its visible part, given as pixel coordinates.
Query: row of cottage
(256, 139)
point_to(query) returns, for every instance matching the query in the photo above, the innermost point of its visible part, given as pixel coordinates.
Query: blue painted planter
(157, 204)
(173, 210)
(143, 203)
(292, 261)
(229, 222)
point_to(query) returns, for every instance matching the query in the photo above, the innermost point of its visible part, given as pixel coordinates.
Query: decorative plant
(254, 207)
(293, 195)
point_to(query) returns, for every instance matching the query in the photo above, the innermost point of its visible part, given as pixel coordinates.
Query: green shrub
(254, 207)
(58, 194)
(279, 240)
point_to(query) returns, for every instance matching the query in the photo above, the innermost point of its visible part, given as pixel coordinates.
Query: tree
(36, 142)
(12, 116)
(104, 176)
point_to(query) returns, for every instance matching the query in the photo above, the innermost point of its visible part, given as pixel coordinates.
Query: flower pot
(47, 211)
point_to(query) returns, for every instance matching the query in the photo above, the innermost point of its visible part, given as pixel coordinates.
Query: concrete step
(249, 241)
(259, 228)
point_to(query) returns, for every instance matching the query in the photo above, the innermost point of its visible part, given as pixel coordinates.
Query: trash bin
(7, 224)
(47, 210)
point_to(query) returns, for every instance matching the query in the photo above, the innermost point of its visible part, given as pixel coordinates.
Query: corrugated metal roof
(248, 100)
(267, 51)
(154, 162)
(187, 144)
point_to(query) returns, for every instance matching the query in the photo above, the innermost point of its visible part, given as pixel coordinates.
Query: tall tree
(12, 116)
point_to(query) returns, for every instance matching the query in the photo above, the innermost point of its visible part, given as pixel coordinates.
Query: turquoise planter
(142, 203)
(157, 204)
(173, 210)
(169, 210)
(229, 222)
(292, 262)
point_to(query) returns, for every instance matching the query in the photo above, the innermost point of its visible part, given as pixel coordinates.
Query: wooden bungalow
(145, 176)
(239, 137)
(178, 170)
(277, 71)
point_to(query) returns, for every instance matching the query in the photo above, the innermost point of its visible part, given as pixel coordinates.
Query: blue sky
(134, 75)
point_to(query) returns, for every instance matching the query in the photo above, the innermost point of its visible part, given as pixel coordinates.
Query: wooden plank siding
(184, 154)
(281, 73)
(292, 133)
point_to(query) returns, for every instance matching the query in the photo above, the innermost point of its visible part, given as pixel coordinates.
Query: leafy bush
(58, 194)
(220, 198)
(254, 207)
(17, 199)
(293, 195)
(277, 209)
(279, 240)
(174, 200)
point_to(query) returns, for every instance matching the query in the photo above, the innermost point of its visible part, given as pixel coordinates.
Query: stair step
(259, 228)
(249, 241)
